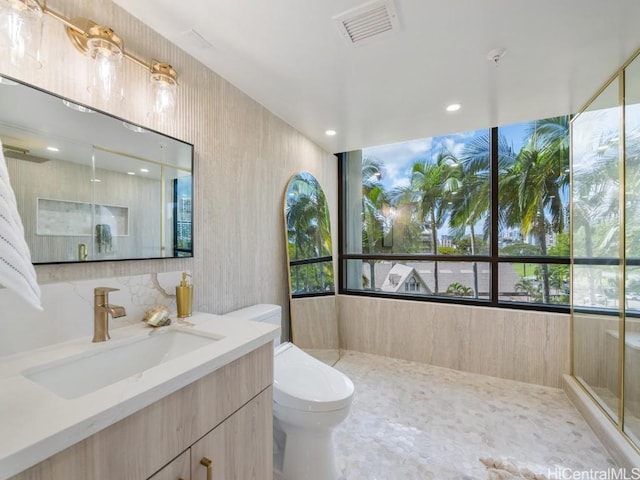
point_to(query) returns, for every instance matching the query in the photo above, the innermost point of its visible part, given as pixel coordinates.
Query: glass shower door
(595, 224)
(631, 419)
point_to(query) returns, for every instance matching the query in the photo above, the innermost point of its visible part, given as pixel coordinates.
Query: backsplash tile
(68, 309)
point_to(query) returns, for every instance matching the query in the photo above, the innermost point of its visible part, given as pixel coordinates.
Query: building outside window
(183, 217)
(479, 216)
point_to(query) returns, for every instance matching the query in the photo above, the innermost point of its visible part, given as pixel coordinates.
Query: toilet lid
(305, 383)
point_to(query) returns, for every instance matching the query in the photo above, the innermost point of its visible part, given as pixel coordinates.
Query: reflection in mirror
(91, 187)
(596, 168)
(632, 251)
(314, 324)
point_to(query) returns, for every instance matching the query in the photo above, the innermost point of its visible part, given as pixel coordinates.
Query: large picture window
(479, 217)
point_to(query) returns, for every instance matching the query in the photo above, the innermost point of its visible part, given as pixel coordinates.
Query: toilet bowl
(310, 399)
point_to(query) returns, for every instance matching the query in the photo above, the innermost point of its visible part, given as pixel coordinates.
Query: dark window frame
(493, 259)
(312, 261)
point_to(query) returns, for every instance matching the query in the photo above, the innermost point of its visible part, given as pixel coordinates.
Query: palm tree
(425, 193)
(299, 212)
(459, 290)
(534, 184)
(526, 286)
(632, 182)
(307, 219)
(469, 187)
(374, 198)
(596, 191)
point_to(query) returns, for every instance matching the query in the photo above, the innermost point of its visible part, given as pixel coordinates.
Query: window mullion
(494, 294)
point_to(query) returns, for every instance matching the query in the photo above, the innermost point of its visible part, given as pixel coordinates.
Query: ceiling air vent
(366, 22)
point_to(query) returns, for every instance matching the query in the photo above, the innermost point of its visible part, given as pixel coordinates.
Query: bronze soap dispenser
(184, 297)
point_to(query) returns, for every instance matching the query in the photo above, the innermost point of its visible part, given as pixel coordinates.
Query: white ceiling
(289, 56)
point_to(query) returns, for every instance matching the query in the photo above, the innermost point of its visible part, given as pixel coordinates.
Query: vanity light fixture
(21, 24)
(21, 32)
(106, 50)
(164, 85)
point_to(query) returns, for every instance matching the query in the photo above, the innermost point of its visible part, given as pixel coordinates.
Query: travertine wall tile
(314, 323)
(520, 345)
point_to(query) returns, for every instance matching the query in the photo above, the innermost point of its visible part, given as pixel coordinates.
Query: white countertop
(35, 423)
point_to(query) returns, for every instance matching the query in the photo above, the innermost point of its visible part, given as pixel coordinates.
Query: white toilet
(309, 400)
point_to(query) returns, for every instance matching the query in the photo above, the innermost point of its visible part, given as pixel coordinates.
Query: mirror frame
(313, 320)
(321, 258)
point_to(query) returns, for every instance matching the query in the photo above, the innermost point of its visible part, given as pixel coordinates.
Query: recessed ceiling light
(330, 133)
(53, 149)
(131, 173)
(454, 107)
(144, 170)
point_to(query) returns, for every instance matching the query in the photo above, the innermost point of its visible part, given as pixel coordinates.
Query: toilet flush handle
(209, 464)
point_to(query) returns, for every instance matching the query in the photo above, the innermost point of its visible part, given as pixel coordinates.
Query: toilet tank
(262, 312)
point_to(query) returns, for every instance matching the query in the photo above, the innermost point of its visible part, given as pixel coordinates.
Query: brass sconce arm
(80, 30)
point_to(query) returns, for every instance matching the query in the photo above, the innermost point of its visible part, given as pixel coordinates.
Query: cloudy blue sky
(398, 158)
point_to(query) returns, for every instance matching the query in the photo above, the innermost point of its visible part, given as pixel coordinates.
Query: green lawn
(525, 269)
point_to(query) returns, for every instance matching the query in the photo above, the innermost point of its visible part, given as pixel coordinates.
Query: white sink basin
(113, 361)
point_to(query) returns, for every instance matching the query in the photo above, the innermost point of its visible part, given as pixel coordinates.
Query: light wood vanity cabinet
(236, 448)
(239, 448)
(178, 469)
(225, 416)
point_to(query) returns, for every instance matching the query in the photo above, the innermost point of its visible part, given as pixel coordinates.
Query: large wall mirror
(90, 186)
(314, 324)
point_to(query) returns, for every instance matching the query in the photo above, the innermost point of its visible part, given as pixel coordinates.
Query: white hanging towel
(16, 270)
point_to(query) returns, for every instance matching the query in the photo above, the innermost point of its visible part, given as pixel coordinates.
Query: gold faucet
(101, 312)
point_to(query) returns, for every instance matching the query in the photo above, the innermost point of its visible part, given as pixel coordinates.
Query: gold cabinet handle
(209, 464)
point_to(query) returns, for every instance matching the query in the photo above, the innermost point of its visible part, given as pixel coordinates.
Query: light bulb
(104, 51)
(163, 90)
(20, 33)
(164, 94)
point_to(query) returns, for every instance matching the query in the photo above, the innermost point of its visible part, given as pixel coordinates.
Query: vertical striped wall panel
(244, 157)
